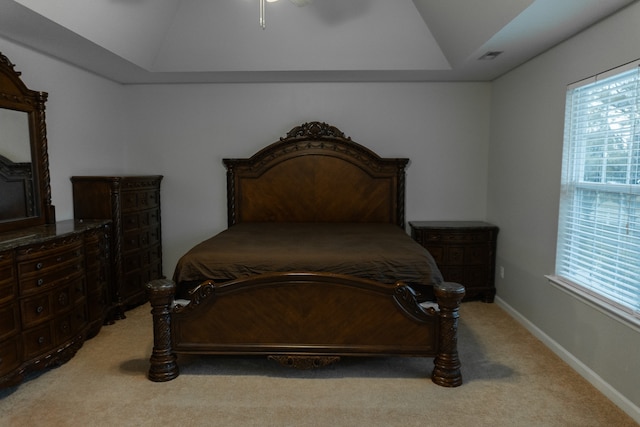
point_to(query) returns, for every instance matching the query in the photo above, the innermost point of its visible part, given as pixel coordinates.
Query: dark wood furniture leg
(163, 361)
(447, 363)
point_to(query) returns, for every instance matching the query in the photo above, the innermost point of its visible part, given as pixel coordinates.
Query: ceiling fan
(263, 23)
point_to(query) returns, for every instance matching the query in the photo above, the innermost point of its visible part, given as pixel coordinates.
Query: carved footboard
(308, 317)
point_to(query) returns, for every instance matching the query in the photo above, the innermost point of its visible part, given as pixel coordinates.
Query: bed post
(163, 361)
(447, 364)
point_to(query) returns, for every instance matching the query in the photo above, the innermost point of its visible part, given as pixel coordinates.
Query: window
(599, 221)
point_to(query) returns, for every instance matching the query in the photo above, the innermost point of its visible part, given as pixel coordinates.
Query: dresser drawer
(51, 261)
(42, 307)
(6, 258)
(131, 221)
(9, 355)
(8, 289)
(6, 266)
(133, 241)
(70, 295)
(37, 309)
(152, 255)
(33, 283)
(9, 320)
(140, 199)
(38, 340)
(96, 303)
(138, 220)
(70, 324)
(92, 256)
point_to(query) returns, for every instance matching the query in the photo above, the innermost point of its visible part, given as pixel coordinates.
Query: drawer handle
(40, 282)
(41, 340)
(39, 309)
(39, 266)
(59, 259)
(63, 299)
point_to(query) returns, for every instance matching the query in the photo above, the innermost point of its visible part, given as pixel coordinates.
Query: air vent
(491, 55)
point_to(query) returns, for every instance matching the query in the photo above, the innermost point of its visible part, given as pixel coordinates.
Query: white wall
(527, 119)
(184, 131)
(85, 120)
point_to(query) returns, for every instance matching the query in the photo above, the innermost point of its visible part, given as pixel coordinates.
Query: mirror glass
(15, 143)
(17, 200)
(25, 191)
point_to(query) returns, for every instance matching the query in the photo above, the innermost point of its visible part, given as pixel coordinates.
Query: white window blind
(599, 221)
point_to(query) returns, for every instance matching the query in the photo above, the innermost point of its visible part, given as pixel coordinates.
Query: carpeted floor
(510, 379)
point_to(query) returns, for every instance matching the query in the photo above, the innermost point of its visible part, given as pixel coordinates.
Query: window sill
(610, 310)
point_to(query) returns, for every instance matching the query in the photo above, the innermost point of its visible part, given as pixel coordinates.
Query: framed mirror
(25, 190)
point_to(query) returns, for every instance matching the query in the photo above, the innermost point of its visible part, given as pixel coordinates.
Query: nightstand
(465, 252)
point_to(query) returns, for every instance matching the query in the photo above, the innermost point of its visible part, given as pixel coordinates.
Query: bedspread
(377, 251)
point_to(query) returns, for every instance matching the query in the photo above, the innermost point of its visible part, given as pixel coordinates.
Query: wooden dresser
(53, 291)
(465, 252)
(133, 204)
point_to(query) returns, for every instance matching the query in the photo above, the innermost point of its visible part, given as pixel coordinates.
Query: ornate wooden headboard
(316, 174)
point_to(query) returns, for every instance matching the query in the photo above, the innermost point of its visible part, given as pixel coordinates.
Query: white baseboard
(605, 388)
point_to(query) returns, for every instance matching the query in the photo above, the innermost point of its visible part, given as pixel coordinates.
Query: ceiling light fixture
(263, 23)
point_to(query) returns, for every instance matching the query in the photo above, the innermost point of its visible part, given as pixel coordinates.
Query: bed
(315, 265)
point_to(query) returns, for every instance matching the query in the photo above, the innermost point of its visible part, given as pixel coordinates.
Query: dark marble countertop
(41, 233)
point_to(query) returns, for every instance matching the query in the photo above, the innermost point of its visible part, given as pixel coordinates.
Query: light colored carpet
(510, 379)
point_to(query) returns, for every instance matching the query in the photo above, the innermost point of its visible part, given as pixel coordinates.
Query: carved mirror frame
(14, 95)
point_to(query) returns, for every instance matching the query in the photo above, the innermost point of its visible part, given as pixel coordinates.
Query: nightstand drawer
(453, 237)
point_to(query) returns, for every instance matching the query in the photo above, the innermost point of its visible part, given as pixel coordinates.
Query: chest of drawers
(465, 252)
(49, 302)
(133, 204)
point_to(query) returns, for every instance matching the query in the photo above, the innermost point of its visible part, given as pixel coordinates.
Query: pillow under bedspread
(377, 251)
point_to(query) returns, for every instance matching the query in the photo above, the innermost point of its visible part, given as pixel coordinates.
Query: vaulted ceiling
(147, 41)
